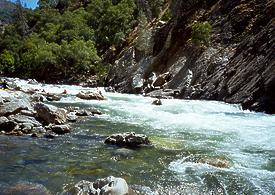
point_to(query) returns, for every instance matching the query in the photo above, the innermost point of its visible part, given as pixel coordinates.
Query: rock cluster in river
(131, 140)
(24, 113)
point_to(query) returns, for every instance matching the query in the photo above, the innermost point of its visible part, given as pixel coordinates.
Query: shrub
(201, 33)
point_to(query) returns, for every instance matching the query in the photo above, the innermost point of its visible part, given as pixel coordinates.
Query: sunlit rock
(51, 114)
(107, 186)
(90, 95)
(131, 140)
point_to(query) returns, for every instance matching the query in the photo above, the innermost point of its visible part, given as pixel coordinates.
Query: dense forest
(66, 40)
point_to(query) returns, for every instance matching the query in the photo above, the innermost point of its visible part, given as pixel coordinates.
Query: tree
(7, 62)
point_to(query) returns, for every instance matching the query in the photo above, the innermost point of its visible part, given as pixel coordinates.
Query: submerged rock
(90, 95)
(26, 189)
(131, 140)
(215, 161)
(51, 114)
(108, 186)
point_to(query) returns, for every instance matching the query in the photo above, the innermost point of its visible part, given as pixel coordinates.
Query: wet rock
(53, 97)
(59, 129)
(157, 102)
(131, 140)
(71, 117)
(215, 161)
(51, 114)
(95, 111)
(83, 113)
(38, 98)
(87, 112)
(6, 125)
(110, 185)
(163, 94)
(110, 89)
(90, 95)
(15, 133)
(26, 189)
(50, 135)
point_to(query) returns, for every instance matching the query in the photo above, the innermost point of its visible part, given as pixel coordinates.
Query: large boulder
(90, 95)
(131, 140)
(14, 106)
(18, 118)
(107, 186)
(51, 114)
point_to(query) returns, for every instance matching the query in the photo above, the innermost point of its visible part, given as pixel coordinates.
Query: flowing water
(182, 132)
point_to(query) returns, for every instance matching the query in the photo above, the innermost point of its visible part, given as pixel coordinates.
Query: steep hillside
(237, 67)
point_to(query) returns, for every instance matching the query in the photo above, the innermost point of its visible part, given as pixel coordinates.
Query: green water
(181, 131)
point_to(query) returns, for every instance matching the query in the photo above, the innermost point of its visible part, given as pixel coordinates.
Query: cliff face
(237, 67)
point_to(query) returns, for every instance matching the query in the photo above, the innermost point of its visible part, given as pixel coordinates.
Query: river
(181, 131)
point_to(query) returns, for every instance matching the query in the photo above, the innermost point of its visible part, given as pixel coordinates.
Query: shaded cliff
(237, 67)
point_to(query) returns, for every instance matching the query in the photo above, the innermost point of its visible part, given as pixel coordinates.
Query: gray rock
(131, 140)
(107, 186)
(51, 114)
(14, 106)
(25, 119)
(90, 96)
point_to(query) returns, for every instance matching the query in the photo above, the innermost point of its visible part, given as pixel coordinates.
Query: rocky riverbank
(237, 67)
(29, 112)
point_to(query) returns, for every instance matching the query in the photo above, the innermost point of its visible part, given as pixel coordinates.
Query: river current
(182, 131)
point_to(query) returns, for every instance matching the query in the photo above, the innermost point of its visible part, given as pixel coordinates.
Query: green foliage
(112, 22)
(201, 33)
(65, 38)
(6, 61)
(79, 56)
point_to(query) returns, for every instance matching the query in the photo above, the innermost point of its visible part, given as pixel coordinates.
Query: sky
(29, 3)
